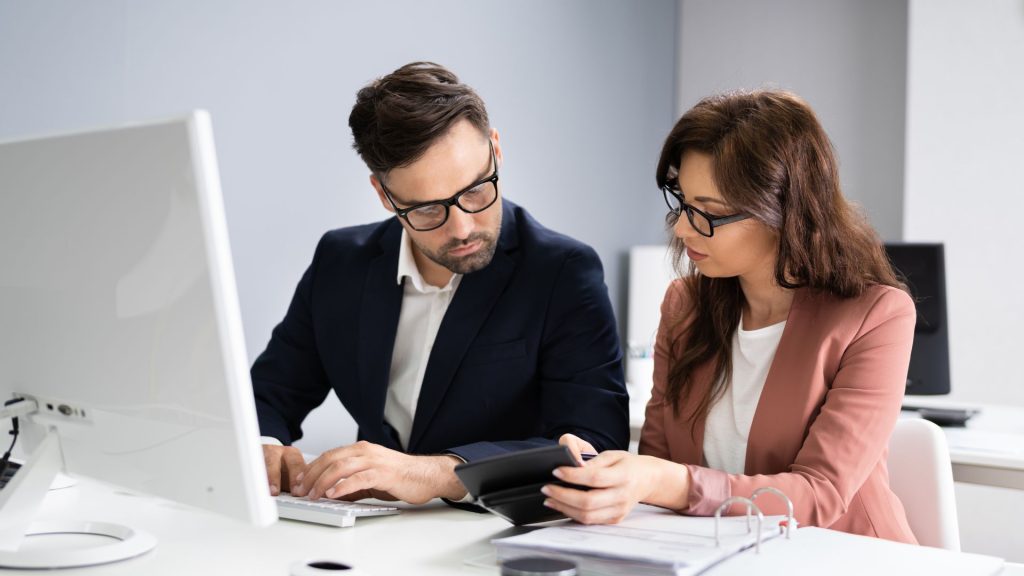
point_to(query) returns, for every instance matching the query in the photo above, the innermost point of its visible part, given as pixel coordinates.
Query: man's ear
(496, 141)
(380, 193)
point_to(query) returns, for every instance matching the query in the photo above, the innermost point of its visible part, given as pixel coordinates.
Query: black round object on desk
(538, 566)
(323, 568)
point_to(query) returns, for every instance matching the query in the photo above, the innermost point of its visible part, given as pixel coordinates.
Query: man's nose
(460, 224)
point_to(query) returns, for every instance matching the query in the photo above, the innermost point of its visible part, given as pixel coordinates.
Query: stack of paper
(651, 541)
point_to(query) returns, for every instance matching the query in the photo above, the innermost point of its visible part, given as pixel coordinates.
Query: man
(457, 330)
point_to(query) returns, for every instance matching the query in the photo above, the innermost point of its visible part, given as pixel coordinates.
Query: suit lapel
(476, 296)
(378, 324)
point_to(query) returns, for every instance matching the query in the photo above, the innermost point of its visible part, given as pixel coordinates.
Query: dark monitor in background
(923, 269)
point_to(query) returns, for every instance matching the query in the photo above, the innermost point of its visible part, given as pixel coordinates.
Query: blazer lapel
(784, 389)
(378, 324)
(689, 447)
(476, 296)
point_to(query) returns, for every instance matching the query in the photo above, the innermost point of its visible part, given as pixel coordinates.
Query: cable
(13, 432)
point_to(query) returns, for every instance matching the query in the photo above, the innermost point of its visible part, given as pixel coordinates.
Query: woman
(782, 355)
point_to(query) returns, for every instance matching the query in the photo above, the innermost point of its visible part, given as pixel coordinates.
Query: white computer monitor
(119, 318)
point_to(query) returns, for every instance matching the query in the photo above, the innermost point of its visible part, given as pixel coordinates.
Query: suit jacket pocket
(490, 353)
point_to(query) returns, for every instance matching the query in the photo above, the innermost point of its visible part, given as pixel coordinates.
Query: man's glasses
(476, 197)
(701, 221)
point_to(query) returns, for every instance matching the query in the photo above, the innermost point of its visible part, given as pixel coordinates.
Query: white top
(423, 308)
(728, 423)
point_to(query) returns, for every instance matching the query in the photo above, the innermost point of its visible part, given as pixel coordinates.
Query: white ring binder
(750, 506)
(791, 523)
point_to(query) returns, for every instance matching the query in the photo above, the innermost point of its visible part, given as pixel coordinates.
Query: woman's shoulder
(677, 299)
(877, 300)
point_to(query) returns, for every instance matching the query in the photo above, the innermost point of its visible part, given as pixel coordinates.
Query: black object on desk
(948, 417)
(509, 485)
(538, 566)
(8, 473)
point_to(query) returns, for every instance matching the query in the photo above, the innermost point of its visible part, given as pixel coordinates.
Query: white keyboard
(329, 512)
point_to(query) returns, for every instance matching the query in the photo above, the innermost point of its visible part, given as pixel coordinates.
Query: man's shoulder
(354, 239)
(542, 242)
(353, 248)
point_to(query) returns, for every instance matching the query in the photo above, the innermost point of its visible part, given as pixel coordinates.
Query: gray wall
(847, 58)
(581, 91)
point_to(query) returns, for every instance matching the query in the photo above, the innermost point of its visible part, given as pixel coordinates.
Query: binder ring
(791, 523)
(750, 506)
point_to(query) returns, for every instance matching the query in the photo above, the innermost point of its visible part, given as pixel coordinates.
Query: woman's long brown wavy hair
(772, 160)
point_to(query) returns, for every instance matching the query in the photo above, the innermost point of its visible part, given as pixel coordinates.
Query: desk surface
(428, 540)
(435, 539)
(989, 450)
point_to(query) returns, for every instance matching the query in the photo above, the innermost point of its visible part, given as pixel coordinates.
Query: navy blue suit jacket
(528, 349)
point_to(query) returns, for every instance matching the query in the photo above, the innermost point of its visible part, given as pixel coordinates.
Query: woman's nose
(682, 228)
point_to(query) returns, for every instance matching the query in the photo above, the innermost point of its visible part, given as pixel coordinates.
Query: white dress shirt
(728, 424)
(423, 308)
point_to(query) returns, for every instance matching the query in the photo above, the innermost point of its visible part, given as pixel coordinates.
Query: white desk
(425, 541)
(434, 539)
(989, 450)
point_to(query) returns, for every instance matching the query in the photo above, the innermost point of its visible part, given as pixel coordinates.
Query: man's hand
(577, 446)
(364, 469)
(284, 465)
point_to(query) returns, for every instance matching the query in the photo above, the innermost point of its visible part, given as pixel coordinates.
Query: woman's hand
(617, 481)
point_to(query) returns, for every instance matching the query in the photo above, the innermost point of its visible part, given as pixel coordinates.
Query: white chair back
(921, 475)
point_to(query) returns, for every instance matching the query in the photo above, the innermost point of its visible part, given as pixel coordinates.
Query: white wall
(847, 58)
(581, 90)
(964, 182)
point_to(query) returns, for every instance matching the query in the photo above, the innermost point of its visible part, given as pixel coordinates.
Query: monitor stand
(21, 499)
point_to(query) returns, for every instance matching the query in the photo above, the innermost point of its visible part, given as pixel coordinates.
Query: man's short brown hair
(396, 118)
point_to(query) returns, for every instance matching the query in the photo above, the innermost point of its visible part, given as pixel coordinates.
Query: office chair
(921, 475)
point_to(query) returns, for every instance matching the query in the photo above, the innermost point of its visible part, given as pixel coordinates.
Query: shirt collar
(407, 268)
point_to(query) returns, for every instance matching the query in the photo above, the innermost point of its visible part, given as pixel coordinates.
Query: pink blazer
(822, 425)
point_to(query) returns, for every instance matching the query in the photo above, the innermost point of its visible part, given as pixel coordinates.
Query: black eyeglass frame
(713, 221)
(452, 200)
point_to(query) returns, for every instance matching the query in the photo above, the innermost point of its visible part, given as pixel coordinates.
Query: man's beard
(465, 264)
